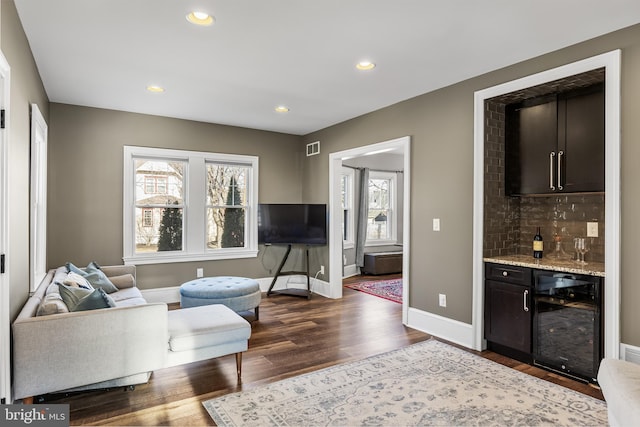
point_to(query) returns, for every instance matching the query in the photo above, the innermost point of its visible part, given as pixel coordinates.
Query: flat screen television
(290, 224)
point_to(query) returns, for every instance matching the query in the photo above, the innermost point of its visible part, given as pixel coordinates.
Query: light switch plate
(436, 224)
(592, 229)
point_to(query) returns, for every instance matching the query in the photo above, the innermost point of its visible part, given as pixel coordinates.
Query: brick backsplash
(510, 222)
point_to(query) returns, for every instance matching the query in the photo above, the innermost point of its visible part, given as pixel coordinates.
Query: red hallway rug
(387, 289)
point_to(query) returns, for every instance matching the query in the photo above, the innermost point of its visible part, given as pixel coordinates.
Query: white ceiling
(300, 53)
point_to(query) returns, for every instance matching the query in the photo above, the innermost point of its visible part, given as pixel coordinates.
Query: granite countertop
(550, 263)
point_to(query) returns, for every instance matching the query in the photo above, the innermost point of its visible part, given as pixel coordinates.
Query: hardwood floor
(293, 336)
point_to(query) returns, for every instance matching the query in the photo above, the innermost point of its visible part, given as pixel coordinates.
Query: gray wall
(26, 88)
(86, 169)
(440, 124)
(85, 183)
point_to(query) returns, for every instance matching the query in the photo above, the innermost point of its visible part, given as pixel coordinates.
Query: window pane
(379, 193)
(159, 182)
(378, 225)
(226, 185)
(225, 228)
(158, 229)
(159, 205)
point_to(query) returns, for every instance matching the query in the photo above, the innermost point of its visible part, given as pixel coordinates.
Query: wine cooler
(567, 330)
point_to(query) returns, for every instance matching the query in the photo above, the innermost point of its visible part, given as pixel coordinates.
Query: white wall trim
(350, 271)
(630, 353)
(5, 292)
(335, 231)
(611, 62)
(441, 327)
(171, 294)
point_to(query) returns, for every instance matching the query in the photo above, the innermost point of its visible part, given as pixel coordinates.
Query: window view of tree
(226, 205)
(379, 217)
(159, 205)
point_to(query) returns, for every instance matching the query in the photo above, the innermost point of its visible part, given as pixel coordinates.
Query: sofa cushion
(52, 304)
(127, 293)
(94, 275)
(130, 302)
(123, 281)
(79, 299)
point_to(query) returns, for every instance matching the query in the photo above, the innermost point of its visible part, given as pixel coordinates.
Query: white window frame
(349, 242)
(392, 217)
(38, 197)
(195, 201)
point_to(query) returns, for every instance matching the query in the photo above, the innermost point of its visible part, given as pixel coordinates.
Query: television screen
(292, 224)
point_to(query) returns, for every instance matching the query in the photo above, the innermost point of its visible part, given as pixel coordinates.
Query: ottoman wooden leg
(239, 365)
(257, 312)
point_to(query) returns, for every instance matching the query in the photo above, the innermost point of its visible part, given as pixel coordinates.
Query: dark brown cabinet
(508, 313)
(555, 143)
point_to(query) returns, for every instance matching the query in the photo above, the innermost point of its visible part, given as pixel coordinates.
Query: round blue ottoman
(238, 293)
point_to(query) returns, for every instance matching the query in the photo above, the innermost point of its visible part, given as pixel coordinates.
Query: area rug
(429, 383)
(387, 289)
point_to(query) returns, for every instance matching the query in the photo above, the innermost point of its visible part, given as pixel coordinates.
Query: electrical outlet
(436, 224)
(200, 272)
(442, 300)
(592, 229)
(322, 270)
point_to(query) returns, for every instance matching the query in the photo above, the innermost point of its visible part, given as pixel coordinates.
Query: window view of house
(347, 201)
(159, 205)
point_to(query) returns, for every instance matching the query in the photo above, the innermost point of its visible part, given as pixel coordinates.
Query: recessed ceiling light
(200, 18)
(282, 109)
(365, 65)
(155, 89)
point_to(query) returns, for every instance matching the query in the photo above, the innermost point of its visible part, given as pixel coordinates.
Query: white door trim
(611, 62)
(335, 231)
(5, 292)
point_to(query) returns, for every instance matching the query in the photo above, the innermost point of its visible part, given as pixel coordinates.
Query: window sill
(172, 257)
(381, 243)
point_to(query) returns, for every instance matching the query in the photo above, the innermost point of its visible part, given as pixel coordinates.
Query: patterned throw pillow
(76, 280)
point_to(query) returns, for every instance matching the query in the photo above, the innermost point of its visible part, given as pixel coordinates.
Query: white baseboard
(630, 353)
(172, 294)
(350, 270)
(441, 327)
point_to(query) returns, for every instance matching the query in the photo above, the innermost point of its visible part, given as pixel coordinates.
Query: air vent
(313, 148)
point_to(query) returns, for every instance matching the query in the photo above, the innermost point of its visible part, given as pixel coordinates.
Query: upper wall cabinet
(555, 143)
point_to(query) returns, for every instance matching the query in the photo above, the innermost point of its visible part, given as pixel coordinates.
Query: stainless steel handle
(551, 156)
(525, 306)
(560, 154)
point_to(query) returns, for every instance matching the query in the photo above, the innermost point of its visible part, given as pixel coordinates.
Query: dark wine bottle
(538, 244)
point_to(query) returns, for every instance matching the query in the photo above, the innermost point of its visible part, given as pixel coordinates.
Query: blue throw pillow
(79, 299)
(95, 276)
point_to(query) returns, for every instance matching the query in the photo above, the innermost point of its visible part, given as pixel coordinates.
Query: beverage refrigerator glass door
(567, 334)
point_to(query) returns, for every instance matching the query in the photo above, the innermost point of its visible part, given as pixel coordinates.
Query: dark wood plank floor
(293, 336)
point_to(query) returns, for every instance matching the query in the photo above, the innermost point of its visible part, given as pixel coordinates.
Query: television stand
(292, 292)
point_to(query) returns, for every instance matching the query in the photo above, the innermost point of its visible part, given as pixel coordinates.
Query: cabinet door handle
(560, 154)
(551, 156)
(525, 305)
(505, 274)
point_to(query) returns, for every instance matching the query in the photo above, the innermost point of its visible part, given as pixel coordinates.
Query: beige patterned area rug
(429, 383)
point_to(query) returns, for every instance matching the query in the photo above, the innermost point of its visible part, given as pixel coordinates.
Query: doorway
(5, 292)
(336, 163)
(611, 63)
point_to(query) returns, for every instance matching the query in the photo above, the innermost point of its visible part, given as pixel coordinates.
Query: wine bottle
(538, 244)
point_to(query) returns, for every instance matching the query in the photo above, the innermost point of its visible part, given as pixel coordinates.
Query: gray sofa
(101, 348)
(55, 350)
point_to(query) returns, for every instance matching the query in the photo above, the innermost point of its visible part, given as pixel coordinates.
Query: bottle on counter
(538, 244)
